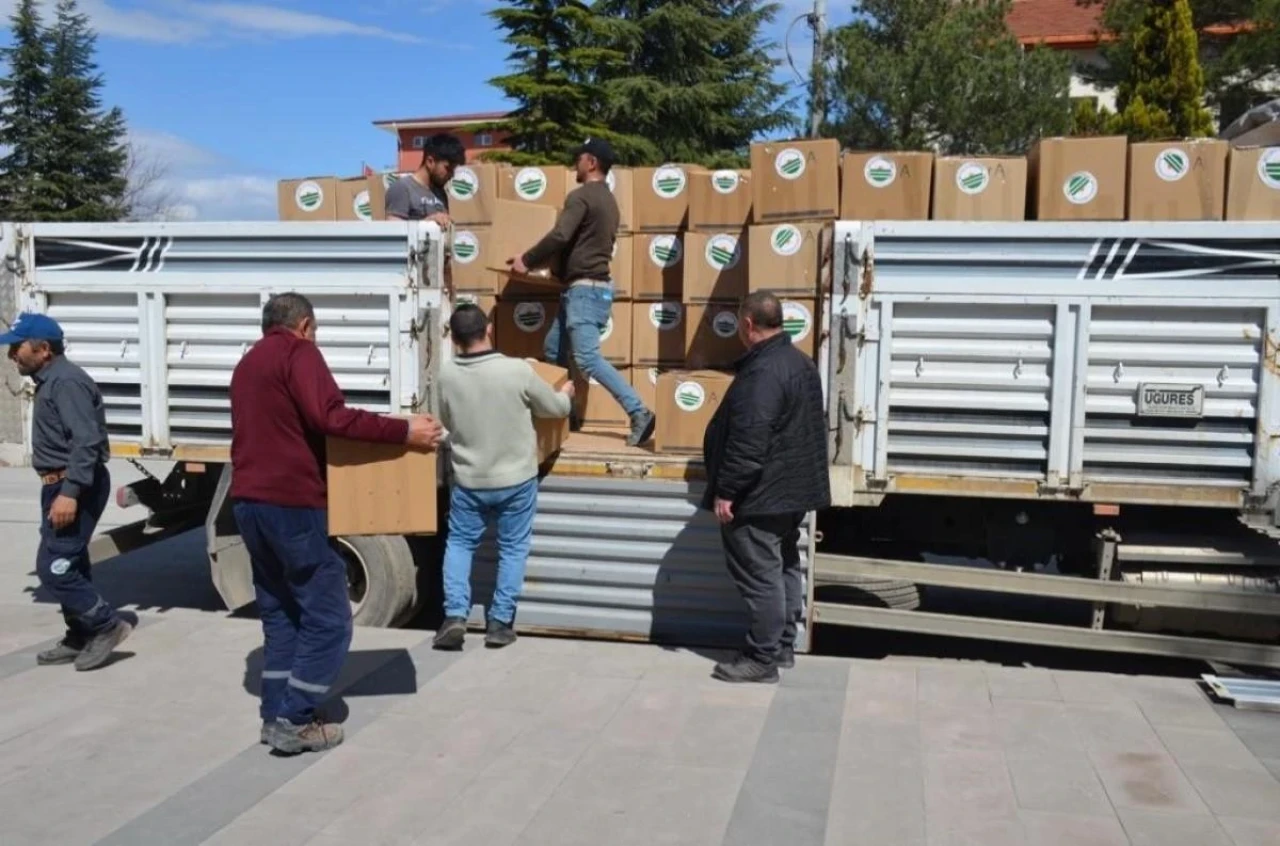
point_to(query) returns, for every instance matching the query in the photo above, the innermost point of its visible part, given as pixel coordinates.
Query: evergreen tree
(24, 125)
(1163, 96)
(559, 48)
(696, 80)
(88, 157)
(945, 75)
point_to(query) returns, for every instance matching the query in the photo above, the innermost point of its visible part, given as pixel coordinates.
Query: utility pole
(817, 75)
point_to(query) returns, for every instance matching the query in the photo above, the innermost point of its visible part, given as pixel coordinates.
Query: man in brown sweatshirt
(578, 250)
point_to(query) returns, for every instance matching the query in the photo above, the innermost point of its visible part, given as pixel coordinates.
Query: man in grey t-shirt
(421, 194)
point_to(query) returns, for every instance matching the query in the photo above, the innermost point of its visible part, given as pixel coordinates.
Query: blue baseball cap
(32, 327)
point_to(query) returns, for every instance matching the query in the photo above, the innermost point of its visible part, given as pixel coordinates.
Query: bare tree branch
(150, 195)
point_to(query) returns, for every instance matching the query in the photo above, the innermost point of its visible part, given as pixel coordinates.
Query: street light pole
(817, 82)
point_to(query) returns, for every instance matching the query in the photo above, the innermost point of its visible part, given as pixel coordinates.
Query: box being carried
(380, 489)
(686, 402)
(517, 226)
(551, 432)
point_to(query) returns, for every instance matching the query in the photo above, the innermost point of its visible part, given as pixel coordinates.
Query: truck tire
(886, 593)
(382, 579)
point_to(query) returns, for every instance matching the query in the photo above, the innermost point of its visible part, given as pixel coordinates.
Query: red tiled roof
(1063, 23)
(444, 120)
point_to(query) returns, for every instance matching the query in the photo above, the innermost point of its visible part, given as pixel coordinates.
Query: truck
(1084, 414)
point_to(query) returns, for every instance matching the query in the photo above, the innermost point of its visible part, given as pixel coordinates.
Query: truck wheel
(381, 579)
(887, 593)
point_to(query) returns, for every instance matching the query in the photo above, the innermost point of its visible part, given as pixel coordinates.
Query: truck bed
(601, 452)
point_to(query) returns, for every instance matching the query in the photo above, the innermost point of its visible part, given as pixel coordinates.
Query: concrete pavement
(567, 742)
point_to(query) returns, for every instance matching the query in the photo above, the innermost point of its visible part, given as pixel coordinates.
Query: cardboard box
(719, 200)
(551, 432)
(517, 226)
(657, 333)
(522, 325)
(886, 186)
(795, 180)
(715, 266)
(979, 188)
(472, 194)
(1178, 180)
(661, 196)
(800, 321)
(615, 338)
(685, 404)
(657, 269)
(470, 260)
(314, 198)
(645, 382)
(544, 186)
(711, 336)
(1079, 178)
(786, 258)
(354, 201)
(621, 181)
(596, 407)
(380, 489)
(622, 266)
(1253, 176)
(379, 183)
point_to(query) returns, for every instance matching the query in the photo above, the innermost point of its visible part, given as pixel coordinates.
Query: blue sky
(228, 97)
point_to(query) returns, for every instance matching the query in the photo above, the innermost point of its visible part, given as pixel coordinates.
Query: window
(484, 139)
(419, 141)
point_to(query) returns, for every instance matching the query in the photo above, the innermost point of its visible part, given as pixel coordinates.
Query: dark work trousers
(301, 586)
(763, 555)
(62, 562)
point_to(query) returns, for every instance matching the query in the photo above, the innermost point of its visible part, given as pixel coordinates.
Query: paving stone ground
(562, 742)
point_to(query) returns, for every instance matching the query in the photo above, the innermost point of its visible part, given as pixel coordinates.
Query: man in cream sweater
(487, 404)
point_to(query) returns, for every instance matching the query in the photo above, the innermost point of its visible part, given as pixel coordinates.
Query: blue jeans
(469, 514)
(62, 560)
(301, 586)
(583, 315)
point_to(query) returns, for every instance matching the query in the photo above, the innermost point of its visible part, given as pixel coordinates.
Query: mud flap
(228, 559)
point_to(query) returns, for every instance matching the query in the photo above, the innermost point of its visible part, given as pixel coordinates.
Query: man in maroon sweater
(284, 402)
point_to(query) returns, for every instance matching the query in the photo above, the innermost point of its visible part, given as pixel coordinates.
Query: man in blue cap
(69, 450)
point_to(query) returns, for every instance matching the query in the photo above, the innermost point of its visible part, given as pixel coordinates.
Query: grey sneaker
(453, 631)
(265, 737)
(100, 646)
(499, 635)
(786, 658)
(746, 670)
(641, 428)
(64, 653)
(315, 736)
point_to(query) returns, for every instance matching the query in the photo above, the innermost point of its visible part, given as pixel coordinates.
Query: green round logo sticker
(722, 252)
(1269, 167)
(362, 207)
(466, 247)
(880, 172)
(796, 321)
(789, 163)
(530, 317)
(690, 396)
(1080, 188)
(973, 178)
(388, 179)
(465, 184)
(725, 181)
(725, 324)
(669, 181)
(531, 183)
(786, 240)
(665, 251)
(1172, 164)
(666, 316)
(309, 196)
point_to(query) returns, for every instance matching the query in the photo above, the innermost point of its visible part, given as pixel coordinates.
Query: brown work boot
(315, 736)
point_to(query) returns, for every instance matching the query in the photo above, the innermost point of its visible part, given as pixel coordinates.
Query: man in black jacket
(765, 452)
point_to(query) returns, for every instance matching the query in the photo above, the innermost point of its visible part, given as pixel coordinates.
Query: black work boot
(100, 646)
(64, 652)
(499, 634)
(453, 631)
(641, 428)
(786, 657)
(315, 736)
(746, 670)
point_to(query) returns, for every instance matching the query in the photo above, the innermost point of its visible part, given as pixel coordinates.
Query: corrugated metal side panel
(631, 559)
(1218, 348)
(103, 335)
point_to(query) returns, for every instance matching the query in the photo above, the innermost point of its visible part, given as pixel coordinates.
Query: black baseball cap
(599, 148)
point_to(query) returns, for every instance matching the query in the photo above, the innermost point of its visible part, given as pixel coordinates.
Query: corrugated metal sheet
(629, 559)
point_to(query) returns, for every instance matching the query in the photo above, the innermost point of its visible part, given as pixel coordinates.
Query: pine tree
(1163, 96)
(697, 80)
(945, 75)
(88, 157)
(24, 124)
(559, 48)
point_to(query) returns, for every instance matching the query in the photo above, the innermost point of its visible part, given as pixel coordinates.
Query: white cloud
(252, 18)
(190, 182)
